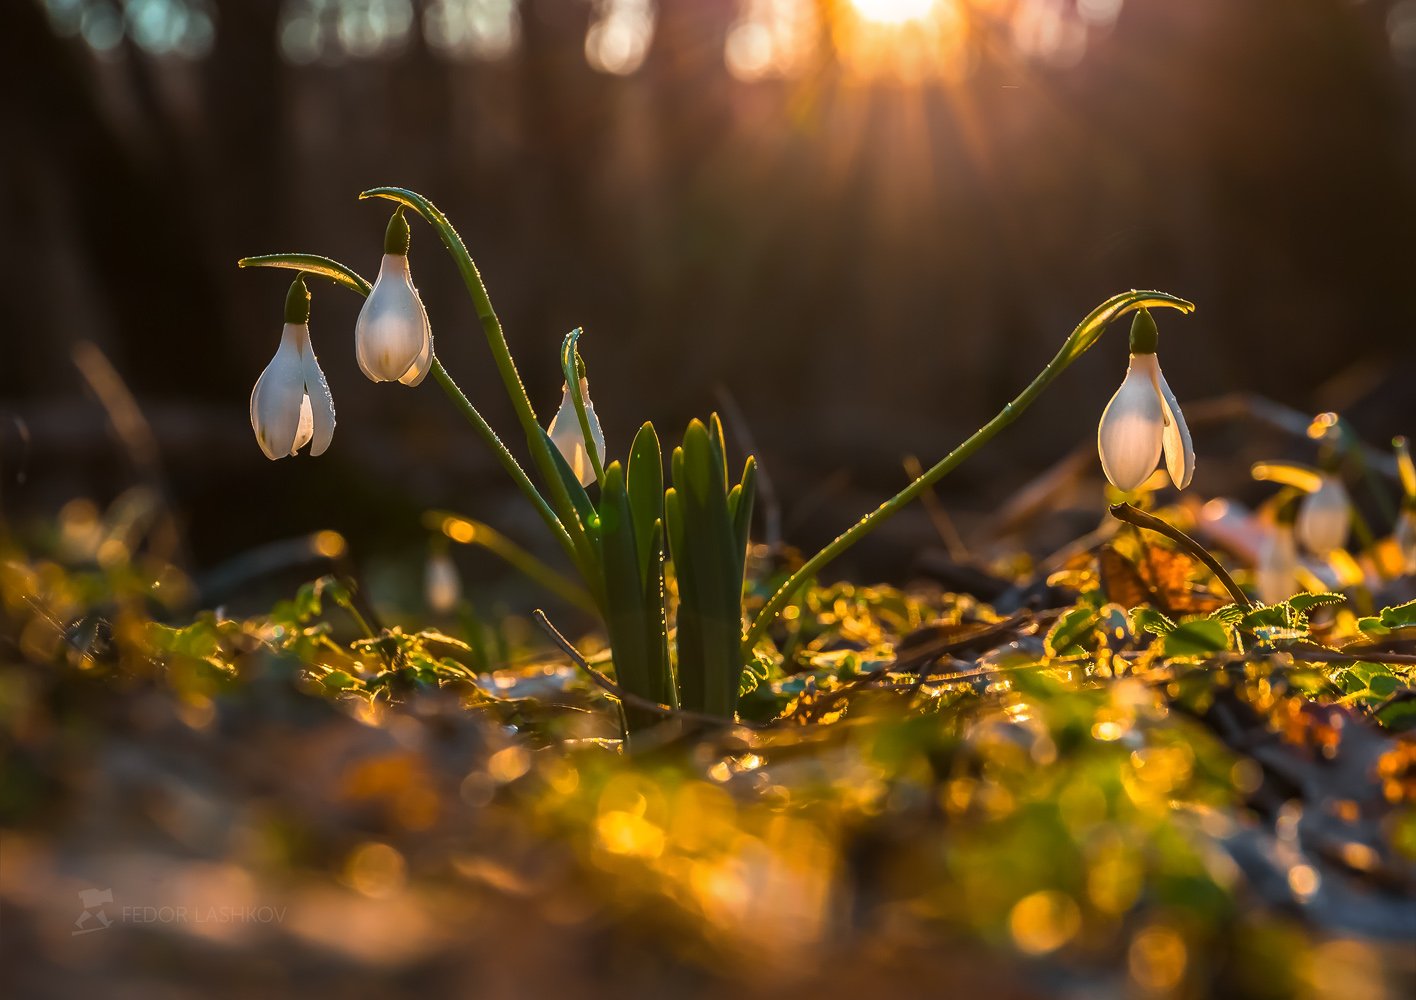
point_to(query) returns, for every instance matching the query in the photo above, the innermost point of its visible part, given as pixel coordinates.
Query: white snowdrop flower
(441, 585)
(290, 404)
(566, 435)
(392, 338)
(1143, 420)
(1276, 571)
(1324, 516)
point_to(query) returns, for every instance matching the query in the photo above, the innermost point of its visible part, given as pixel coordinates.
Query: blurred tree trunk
(249, 171)
(94, 203)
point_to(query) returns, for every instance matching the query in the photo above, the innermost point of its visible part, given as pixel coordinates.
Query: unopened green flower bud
(397, 236)
(1144, 335)
(297, 301)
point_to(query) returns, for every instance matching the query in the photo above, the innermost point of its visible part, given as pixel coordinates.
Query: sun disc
(893, 11)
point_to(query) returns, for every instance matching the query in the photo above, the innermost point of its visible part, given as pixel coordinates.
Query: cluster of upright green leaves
(708, 527)
(705, 522)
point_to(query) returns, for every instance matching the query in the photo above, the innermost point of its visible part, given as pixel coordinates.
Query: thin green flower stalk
(467, 531)
(1081, 340)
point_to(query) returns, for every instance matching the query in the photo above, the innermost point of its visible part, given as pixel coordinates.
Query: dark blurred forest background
(870, 236)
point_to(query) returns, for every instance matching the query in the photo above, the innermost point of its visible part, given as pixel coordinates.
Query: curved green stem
(1082, 338)
(508, 460)
(478, 533)
(1133, 515)
(501, 354)
(346, 276)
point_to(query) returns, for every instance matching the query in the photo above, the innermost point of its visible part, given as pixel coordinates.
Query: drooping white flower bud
(290, 404)
(1324, 516)
(1130, 435)
(1143, 420)
(565, 433)
(1276, 570)
(441, 585)
(392, 338)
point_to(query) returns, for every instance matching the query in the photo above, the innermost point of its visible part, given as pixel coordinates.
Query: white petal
(1276, 572)
(1324, 516)
(392, 332)
(1129, 436)
(423, 365)
(275, 400)
(317, 397)
(306, 428)
(1179, 450)
(565, 434)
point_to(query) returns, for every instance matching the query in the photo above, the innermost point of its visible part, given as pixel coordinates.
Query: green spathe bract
(700, 521)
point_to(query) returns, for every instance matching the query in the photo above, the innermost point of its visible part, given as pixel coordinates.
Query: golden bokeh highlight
(1157, 958)
(330, 544)
(1043, 922)
(376, 870)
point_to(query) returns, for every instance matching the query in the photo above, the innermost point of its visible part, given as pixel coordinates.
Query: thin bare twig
(131, 428)
(917, 657)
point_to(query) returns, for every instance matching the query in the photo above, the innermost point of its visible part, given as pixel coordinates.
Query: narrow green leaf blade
(309, 263)
(711, 580)
(632, 622)
(645, 483)
(742, 510)
(579, 499)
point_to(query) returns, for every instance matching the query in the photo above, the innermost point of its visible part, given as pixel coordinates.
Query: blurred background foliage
(870, 222)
